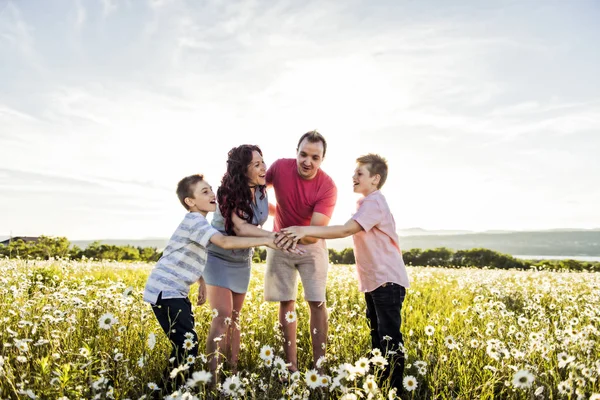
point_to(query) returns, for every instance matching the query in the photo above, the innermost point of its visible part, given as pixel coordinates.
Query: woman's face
(257, 170)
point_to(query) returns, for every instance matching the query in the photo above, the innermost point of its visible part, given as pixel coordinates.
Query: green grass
(500, 321)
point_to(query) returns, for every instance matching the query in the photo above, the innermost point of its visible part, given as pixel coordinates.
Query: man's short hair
(186, 186)
(376, 165)
(313, 137)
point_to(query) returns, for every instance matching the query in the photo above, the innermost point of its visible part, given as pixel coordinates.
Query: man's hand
(201, 292)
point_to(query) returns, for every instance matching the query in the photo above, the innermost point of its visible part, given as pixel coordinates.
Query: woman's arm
(243, 228)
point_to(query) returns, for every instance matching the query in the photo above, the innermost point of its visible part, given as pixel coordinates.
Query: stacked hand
(287, 239)
(285, 243)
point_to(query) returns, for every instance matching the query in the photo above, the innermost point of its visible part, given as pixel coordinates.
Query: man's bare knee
(317, 305)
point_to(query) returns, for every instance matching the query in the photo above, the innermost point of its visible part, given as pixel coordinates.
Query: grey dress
(230, 269)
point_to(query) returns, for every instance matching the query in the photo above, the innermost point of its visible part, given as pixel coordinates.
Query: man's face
(309, 158)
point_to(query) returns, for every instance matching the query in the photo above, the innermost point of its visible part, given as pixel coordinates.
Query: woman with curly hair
(243, 208)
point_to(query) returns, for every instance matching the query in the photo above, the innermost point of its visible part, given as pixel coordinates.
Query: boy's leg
(387, 303)
(372, 321)
(176, 319)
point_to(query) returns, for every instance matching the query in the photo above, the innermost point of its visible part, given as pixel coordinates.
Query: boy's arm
(238, 242)
(323, 232)
(317, 220)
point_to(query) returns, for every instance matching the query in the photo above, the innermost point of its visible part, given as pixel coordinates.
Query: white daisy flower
(450, 342)
(370, 386)
(266, 352)
(409, 383)
(290, 317)
(188, 344)
(522, 379)
(199, 377)
(106, 321)
(312, 379)
(231, 385)
(362, 365)
(151, 342)
(189, 335)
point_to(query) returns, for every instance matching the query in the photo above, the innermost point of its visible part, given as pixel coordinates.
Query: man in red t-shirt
(305, 196)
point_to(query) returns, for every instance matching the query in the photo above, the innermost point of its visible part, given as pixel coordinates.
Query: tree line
(46, 247)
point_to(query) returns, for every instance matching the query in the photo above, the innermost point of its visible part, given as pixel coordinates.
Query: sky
(488, 112)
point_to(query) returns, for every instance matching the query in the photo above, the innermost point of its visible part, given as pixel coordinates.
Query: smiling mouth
(213, 202)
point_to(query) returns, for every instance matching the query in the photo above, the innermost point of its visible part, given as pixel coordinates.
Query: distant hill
(556, 242)
(159, 243)
(547, 243)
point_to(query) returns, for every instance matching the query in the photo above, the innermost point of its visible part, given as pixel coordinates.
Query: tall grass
(469, 333)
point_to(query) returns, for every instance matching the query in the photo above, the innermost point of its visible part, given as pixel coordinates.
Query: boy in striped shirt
(182, 264)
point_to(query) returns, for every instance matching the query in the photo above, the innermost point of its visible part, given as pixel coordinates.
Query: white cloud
(163, 89)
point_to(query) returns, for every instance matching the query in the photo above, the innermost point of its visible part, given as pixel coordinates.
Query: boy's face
(364, 183)
(204, 200)
(309, 158)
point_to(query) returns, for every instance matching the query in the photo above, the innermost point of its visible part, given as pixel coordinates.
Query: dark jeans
(176, 319)
(384, 307)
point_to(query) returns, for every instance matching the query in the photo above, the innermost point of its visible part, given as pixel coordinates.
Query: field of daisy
(74, 330)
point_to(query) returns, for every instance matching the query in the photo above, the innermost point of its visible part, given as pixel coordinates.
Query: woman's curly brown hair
(234, 193)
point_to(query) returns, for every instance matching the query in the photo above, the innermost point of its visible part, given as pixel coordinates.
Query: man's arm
(272, 209)
(322, 232)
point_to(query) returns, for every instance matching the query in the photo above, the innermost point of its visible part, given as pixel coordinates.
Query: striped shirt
(182, 261)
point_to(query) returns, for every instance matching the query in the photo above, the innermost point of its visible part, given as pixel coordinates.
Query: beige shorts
(281, 279)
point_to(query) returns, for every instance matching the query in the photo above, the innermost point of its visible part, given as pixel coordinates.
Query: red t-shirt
(298, 198)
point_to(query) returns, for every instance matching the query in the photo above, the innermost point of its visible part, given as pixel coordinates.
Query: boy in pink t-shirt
(381, 271)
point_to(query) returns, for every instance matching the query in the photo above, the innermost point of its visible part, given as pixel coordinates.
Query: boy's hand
(201, 292)
(294, 232)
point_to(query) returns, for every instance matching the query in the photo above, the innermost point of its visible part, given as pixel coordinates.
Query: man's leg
(288, 329)
(281, 284)
(313, 269)
(318, 329)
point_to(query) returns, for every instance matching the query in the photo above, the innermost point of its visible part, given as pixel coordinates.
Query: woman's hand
(201, 292)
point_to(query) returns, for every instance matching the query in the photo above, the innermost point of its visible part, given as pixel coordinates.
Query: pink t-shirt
(298, 198)
(378, 255)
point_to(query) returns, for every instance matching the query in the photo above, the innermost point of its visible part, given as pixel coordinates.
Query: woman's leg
(220, 299)
(234, 330)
